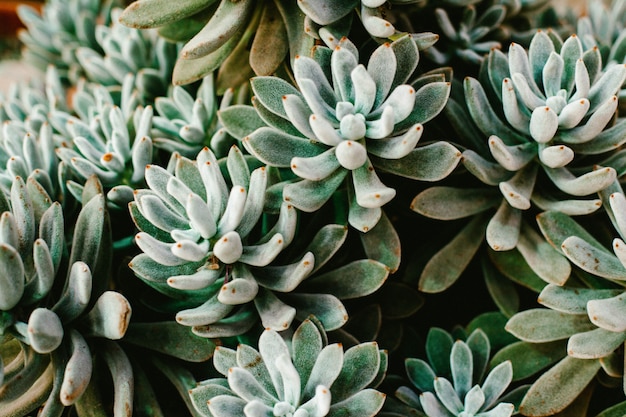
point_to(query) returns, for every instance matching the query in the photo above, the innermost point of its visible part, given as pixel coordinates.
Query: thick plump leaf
(462, 368)
(90, 230)
(172, 339)
(559, 386)
(327, 308)
(608, 313)
(327, 367)
(429, 101)
(153, 13)
(431, 162)
(228, 19)
(438, 347)
(542, 258)
(382, 243)
(226, 406)
(324, 13)
(446, 266)
(270, 90)
(483, 114)
(450, 203)
(360, 365)
(309, 195)
(276, 148)
(420, 374)
(45, 331)
(572, 300)
(542, 325)
(593, 259)
(595, 344)
(109, 317)
(529, 358)
(240, 120)
(365, 403)
(189, 70)
(497, 382)
(307, 343)
(356, 279)
(201, 394)
(556, 227)
(503, 229)
(11, 278)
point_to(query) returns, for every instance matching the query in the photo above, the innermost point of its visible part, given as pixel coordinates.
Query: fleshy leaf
(559, 386)
(543, 325)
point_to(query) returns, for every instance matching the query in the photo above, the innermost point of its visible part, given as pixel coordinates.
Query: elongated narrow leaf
(154, 13)
(431, 162)
(559, 387)
(367, 276)
(592, 259)
(547, 262)
(572, 300)
(450, 203)
(446, 266)
(541, 325)
(594, 344)
(388, 252)
(529, 358)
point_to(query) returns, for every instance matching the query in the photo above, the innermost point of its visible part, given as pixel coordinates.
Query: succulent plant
(449, 385)
(129, 51)
(585, 312)
(603, 26)
(108, 141)
(200, 242)
(53, 36)
(558, 109)
(377, 18)
(472, 38)
(50, 327)
(185, 124)
(270, 201)
(301, 377)
(343, 127)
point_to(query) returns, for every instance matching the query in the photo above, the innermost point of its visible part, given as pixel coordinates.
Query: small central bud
(352, 126)
(343, 108)
(283, 409)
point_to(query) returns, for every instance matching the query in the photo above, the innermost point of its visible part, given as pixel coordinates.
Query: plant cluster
(276, 208)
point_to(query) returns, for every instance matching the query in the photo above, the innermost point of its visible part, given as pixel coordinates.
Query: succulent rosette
(558, 108)
(301, 377)
(27, 139)
(49, 330)
(90, 42)
(29, 155)
(52, 36)
(603, 26)
(185, 124)
(449, 383)
(110, 141)
(472, 37)
(585, 317)
(201, 244)
(344, 122)
(121, 51)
